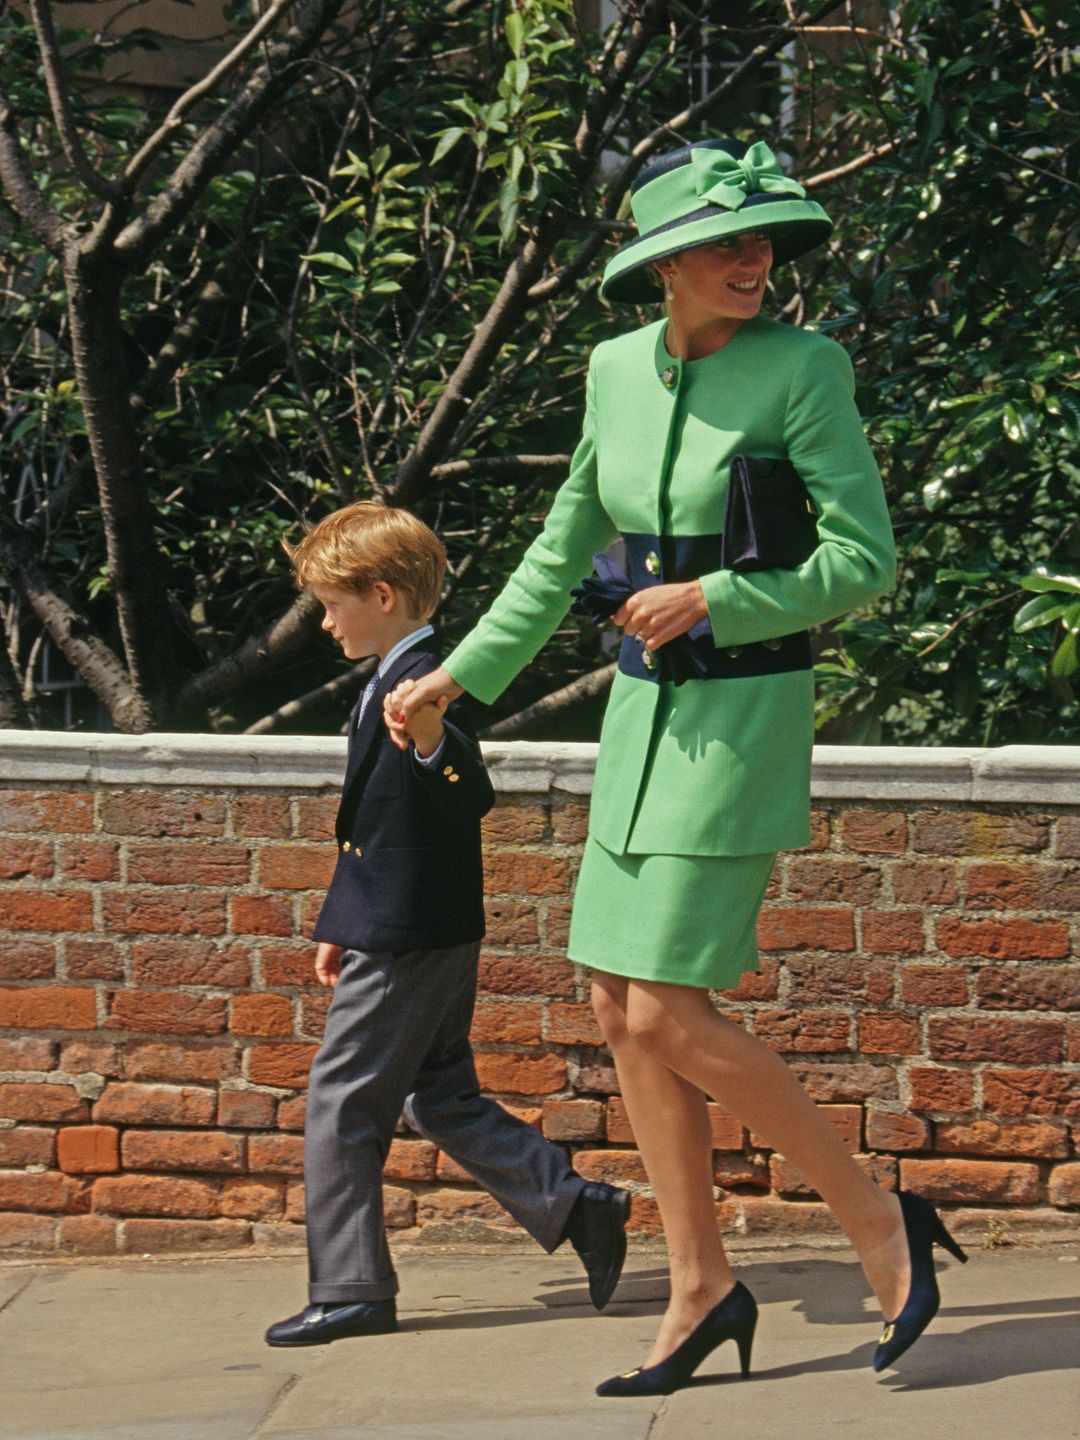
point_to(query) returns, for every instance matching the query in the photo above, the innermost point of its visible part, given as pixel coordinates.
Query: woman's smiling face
(725, 278)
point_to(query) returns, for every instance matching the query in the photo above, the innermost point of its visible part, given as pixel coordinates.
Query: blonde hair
(365, 542)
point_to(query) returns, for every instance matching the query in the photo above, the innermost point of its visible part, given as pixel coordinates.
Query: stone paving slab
(504, 1346)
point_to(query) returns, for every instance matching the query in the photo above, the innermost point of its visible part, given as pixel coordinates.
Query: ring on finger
(639, 636)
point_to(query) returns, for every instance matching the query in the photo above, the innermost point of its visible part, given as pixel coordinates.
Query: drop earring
(669, 289)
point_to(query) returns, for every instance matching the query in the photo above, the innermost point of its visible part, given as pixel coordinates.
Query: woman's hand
(662, 612)
(405, 699)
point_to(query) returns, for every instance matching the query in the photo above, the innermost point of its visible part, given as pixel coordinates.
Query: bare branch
(293, 709)
(209, 302)
(22, 190)
(852, 166)
(501, 467)
(287, 638)
(70, 139)
(586, 687)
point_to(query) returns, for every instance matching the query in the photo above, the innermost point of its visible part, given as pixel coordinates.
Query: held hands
(413, 710)
(662, 612)
(328, 963)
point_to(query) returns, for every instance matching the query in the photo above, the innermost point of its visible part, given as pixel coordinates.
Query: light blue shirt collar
(413, 638)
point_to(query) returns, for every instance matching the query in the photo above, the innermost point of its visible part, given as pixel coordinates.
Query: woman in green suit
(703, 771)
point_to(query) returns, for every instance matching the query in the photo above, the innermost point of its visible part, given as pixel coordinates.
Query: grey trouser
(397, 1032)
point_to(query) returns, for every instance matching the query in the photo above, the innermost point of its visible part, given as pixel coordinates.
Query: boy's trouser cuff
(353, 1294)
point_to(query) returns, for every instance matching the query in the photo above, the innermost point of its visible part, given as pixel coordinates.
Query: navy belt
(668, 559)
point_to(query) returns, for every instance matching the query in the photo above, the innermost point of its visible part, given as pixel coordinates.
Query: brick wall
(157, 1016)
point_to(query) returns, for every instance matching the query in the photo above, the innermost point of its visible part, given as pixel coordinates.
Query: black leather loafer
(597, 1230)
(319, 1324)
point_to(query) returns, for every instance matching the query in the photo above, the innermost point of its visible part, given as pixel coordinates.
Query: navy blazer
(409, 873)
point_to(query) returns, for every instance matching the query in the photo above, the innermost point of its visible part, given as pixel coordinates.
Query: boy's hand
(423, 725)
(328, 963)
(409, 695)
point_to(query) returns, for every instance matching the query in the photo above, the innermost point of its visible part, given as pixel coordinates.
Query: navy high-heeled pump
(924, 1229)
(733, 1319)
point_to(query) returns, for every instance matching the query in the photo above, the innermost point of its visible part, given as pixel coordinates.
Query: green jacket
(728, 771)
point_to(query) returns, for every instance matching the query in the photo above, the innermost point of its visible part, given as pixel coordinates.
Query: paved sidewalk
(503, 1346)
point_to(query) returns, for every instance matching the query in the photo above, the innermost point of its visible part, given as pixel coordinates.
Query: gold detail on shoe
(630, 1374)
(887, 1333)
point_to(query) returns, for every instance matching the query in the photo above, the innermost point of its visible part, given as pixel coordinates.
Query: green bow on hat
(720, 179)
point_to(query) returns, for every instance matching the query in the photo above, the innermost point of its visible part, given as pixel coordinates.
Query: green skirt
(682, 919)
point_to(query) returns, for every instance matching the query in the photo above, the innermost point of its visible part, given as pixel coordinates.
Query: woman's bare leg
(679, 1028)
(673, 1133)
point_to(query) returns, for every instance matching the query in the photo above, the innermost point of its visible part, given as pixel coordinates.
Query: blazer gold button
(649, 660)
(733, 651)
(346, 846)
(652, 563)
(454, 779)
(448, 769)
(669, 377)
(358, 853)
(773, 644)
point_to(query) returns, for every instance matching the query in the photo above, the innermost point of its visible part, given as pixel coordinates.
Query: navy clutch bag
(769, 519)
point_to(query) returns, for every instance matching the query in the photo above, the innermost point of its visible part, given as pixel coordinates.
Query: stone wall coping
(1029, 774)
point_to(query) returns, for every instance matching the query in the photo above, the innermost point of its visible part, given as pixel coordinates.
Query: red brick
(45, 1190)
(294, 1201)
(153, 1195)
(1031, 1092)
(454, 1206)
(88, 1149)
(316, 817)
(144, 1237)
(411, 1160)
(526, 872)
(20, 1231)
(506, 1022)
(291, 1112)
(187, 960)
(924, 882)
(820, 832)
(260, 915)
(569, 1120)
(518, 1074)
(125, 1103)
(192, 863)
(260, 1015)
(1028, 987)
(49, 1007)
(27, 1145)
(760, 984)
(288, 964)
(889, 1035)
(806, 929)
(962, 832)
(206, 1151)
(25, 859)
(51, 910)
(1022, 887)
(804, 1031)
(286, 1066)
(874, 832)
(1068, 837)
(313, 1012)
(164, 912)
(1072, 1042)
(46, 812)
(27, 1052)
(1014, 939)
(815, 980)
(42, 1102)
(276, 1154)
(847, 1119)
(296, 867)
(893, 932)
(170, 1011)
(556, 925)
(90, 860)
(1064, 1186)
(246, 1109)
(644, 1216)
(933, 985)
(245, 1199)
(86, 1235)
(92, 959)
(1040, 1139)
(952, 1091)
(888, 1131)
(845, 1082)
(727, 1131)
(511, 922)
(599, 1079)
(765, 1215)
(172, 814)
(27, 958)
(1023, 1042)
(826, 878)
(180, 1061)
(526, 975)
(449, 1172)
(512, 823)
(985, 1181)
(90, 1056)
(573, 1025)
(569, 822)
(266, 815)
(399, 1208)
(613, 1167)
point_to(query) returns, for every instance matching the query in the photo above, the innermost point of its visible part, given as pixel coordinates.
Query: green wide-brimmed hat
(701, 193)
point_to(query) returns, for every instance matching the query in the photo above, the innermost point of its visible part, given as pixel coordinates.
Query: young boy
(399, 940)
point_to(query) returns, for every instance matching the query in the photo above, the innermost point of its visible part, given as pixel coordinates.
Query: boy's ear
(387, 596)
